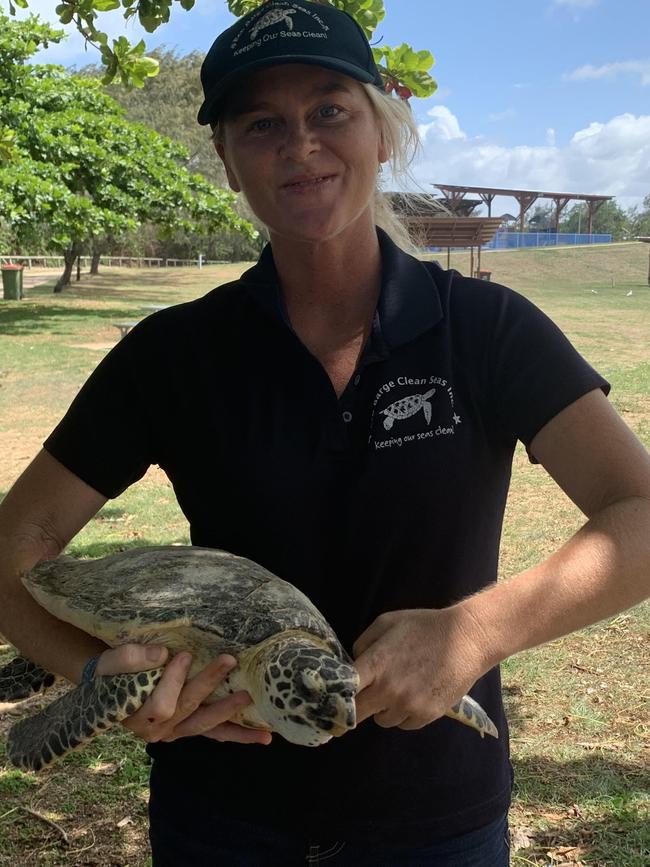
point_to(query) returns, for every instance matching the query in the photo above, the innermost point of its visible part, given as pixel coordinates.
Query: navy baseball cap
(283, 32)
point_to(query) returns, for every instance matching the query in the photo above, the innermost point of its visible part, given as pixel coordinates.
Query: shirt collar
(409, 301)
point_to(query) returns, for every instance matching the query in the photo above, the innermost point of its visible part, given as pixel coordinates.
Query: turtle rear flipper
(470, 713)
(21, 678)
(77, 717)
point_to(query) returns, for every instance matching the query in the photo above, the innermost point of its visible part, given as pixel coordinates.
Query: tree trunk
(69, 257)
(94, 265)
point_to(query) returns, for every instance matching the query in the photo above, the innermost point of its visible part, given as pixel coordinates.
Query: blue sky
(552, 94)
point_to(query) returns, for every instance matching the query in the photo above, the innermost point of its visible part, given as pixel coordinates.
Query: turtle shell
(181, 596)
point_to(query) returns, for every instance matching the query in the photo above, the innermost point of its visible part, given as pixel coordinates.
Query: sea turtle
(273, 17)
(206, 601)
(407, 407)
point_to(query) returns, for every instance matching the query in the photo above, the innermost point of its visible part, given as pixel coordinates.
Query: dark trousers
(233, 843)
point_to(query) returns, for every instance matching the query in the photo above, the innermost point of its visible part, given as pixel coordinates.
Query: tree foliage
(404, 70)
(640, 219)
(76, 165)
(168, 103)
(609, 219)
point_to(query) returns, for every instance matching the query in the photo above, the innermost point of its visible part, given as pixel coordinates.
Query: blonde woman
(346, 415)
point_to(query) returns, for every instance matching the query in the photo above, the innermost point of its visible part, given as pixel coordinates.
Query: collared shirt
(389, 497)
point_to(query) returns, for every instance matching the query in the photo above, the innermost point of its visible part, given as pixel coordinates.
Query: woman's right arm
(43, 511)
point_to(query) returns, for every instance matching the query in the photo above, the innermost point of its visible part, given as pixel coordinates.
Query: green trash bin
(12, 282)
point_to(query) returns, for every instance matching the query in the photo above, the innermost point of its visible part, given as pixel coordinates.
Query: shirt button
(357, 379)
(347, 416)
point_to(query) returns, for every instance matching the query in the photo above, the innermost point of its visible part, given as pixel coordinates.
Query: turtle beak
(346, 717)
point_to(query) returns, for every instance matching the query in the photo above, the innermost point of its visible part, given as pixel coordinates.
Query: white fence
(109, 261)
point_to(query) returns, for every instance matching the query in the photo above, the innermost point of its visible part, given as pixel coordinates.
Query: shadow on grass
(19, 321)
(559, 800)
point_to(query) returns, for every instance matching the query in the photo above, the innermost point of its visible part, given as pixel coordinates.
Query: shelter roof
(500, 191)
(452, 231)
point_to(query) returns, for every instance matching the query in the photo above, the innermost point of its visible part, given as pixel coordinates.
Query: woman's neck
(330, 286)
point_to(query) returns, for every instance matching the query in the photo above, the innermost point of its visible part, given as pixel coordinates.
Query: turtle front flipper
(470, 713)
(21, 678)
(77, 717)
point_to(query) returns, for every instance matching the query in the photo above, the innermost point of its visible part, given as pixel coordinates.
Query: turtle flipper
(21, 678)
(78, 716)
(470, 713)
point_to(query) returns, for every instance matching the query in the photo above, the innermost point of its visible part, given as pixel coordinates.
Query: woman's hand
(415, 665)
(173, 710)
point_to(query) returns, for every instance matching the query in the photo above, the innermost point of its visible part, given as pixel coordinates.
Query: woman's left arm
(414, 665)
(605, 567)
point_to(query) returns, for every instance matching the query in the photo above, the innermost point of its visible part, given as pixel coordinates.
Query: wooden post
(592, 207)
(471, 266)
(448, 258)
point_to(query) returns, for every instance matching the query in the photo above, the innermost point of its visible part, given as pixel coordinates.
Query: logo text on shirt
(416, 408)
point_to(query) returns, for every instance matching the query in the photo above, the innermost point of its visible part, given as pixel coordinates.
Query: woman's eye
(261, 125)
(328, 111)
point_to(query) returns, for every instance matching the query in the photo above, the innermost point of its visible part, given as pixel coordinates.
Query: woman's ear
(383, 151)
(233, 183)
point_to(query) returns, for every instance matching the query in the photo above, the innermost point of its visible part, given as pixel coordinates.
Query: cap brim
(208, 112)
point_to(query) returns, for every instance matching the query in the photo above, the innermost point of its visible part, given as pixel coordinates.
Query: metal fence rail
(36, 260)
(515, 240)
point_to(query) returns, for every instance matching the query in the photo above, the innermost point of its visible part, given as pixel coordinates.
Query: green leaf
(106, 5)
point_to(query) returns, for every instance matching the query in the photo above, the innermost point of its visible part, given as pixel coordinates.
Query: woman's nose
(299, 141)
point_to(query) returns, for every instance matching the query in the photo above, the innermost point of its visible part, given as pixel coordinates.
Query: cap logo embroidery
(273, 17)
(426, 411)
(259, 27)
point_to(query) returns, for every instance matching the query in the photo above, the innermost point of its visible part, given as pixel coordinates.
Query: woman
(345, 415)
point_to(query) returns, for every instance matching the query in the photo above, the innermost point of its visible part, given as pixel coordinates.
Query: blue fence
(514, 240)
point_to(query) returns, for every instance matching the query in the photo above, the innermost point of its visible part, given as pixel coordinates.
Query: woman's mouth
(299, 184)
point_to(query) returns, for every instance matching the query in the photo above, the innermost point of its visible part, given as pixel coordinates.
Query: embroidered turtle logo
(272, 18)
(408, 406)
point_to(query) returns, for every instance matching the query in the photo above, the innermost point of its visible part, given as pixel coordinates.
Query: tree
(168, 103)
(640, 220)
(79, 167)
(609, 219)
(404, 70)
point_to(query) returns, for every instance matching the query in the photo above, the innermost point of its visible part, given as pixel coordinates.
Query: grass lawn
(578, 707)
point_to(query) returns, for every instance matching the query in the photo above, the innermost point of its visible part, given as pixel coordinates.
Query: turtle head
(308, 693)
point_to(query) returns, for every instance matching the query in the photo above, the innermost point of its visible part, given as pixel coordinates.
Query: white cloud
(611, 158)
(588, 72)
(443, 127)
(496, 116)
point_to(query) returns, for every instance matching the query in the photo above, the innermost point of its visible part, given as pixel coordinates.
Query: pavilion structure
(431, 224)
(455, 194)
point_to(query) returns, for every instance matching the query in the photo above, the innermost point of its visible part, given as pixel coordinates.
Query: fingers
(238, 734)
(161, 705)
(203, 684)
(131, 657)
(175, 710)
(372, 634)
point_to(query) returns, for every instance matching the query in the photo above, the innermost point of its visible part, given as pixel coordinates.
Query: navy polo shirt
(391, 496)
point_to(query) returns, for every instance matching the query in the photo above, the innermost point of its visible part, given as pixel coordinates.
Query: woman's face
(303, 145)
